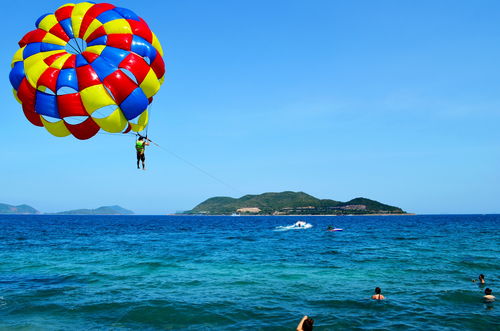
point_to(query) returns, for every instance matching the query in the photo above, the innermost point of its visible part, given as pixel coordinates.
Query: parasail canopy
(88, 67)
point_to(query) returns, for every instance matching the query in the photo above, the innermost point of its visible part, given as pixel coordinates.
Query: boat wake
(299, 225)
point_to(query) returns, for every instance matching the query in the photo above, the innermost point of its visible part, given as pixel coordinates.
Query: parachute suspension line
(145, 130)
(150, 106)
(198, 168)
(82, 45)
(78, 46)
(112, 134)
(72, 47)
(177, 156)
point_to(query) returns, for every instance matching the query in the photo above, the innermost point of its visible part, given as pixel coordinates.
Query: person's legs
(143, 158)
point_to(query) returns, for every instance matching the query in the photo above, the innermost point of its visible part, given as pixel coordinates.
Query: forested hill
(290, 203)
(105, 210)
(21, 209)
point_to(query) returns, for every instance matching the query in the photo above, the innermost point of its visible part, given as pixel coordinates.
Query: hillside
(290, 203)
(21, 209)
(105, 210)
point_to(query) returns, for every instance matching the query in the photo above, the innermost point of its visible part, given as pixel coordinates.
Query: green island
(21, 209)
(290, 203)
(26, 209)
(105, 210)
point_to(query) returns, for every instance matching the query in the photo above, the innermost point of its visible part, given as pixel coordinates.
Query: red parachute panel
(70, 105)
(85, 130)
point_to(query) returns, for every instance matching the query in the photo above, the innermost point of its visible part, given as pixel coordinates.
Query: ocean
(241, 273)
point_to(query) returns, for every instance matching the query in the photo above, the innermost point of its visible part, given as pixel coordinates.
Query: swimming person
(305, 324)
(378, 295)
(480, 279)
(488, 296)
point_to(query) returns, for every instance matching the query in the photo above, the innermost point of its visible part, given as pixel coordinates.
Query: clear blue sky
(397, 101)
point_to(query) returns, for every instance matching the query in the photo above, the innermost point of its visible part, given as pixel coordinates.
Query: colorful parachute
(88, 67)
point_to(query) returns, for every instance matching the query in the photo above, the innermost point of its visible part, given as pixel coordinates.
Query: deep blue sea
(239, 273)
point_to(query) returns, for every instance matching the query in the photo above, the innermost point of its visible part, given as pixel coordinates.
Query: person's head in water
(479, 279)
(378, 295)
(308, 324)
(305, 324)
(488, 296)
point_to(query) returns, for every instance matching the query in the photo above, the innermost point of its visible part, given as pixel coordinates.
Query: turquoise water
(238, 273)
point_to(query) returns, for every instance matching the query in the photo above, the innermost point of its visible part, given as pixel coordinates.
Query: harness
(139, 146)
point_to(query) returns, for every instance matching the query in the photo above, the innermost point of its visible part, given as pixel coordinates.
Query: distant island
(105, 210)
(21, 209)
(290, 203)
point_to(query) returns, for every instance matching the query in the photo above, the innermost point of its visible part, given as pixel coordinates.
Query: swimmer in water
(305, 324)
(488, 297)
(480, 279)
(378, 295)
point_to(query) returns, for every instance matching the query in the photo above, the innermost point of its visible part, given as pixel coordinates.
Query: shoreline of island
(302, 215)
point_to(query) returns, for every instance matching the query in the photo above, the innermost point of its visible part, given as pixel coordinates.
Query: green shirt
(140, 146)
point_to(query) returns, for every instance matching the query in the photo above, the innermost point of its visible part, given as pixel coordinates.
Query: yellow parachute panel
(114, 123)
(48, 22)
(95, 97)
(117, 27)
(91, 28)
(151, 84)
(57, 129)
(141, 122)
(156, 44)
(59, 62)
(77, 16)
